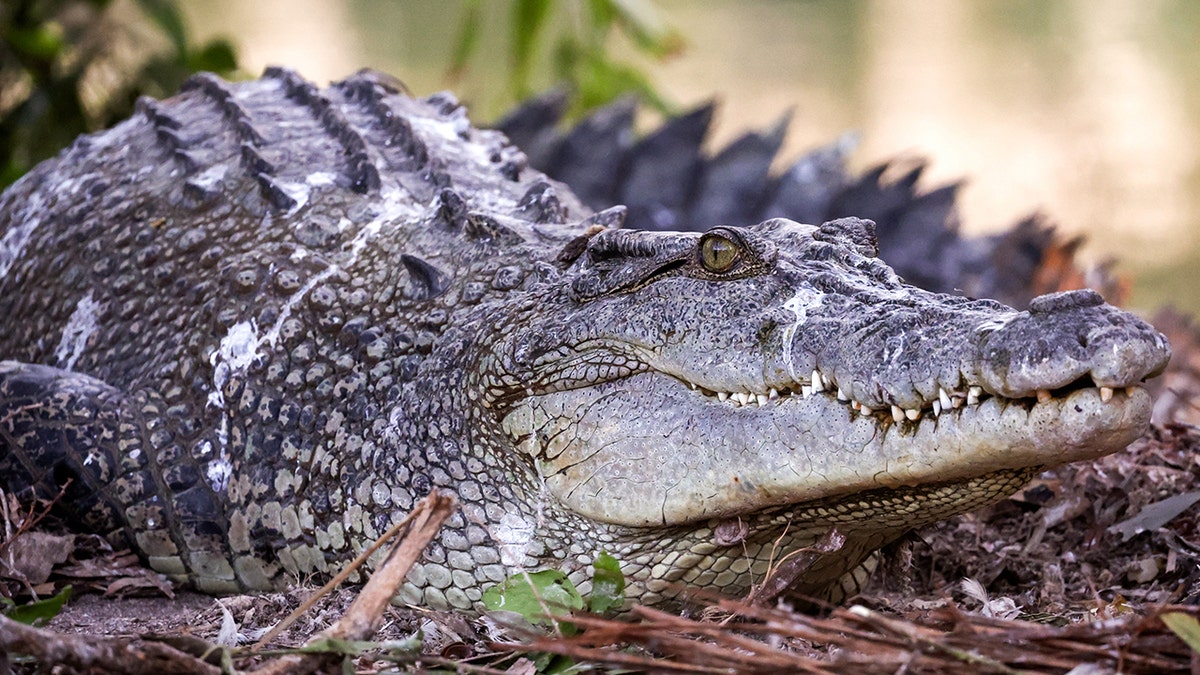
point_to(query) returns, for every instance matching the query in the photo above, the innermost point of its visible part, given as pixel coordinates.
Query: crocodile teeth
(897, 413)
(723, 396)
(865, 410)
(912, 414)
(855, 405)
(841, 395)
(818, 384)
(763, 399)
(1129, 391)
(944, 399)
(1043, 395)
(805, 390)
(937, 408)
(1106, 394)
(744, 398)
(773, 394)
(973, 395)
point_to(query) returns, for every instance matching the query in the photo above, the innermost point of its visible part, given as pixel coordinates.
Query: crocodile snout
(1066, 339)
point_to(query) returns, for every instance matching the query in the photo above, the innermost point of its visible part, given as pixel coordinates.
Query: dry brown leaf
(31, 556)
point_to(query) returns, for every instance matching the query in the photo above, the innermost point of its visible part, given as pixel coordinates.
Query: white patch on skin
(79, 329)
(218, 473)
(806, 298)
(25, 222)
(449, 130)
(321, 179)
(891, 357)
(212, 176)
(995, 324)
(237, 351)
(243, 344)
(395, 206)
(297, 191)
(219, 469)
(514, 535)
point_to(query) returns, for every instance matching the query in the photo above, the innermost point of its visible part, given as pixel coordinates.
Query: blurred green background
(1087, 110)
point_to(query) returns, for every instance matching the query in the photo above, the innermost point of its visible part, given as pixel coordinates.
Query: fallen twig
(859, 640)
(365, 614)
(91, 653)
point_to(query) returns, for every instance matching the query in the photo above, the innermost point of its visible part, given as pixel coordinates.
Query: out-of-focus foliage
(68, 67)
(580, 47)
(72, 66)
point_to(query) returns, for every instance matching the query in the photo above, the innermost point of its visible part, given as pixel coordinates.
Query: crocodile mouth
(961, 399)
(651, 449)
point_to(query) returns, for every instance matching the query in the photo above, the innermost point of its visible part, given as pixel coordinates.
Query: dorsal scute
(363, 175)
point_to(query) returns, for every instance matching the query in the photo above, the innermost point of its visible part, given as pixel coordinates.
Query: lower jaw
(863, 522)
(693, 565)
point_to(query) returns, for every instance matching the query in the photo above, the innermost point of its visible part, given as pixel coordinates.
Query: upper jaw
(934, 349)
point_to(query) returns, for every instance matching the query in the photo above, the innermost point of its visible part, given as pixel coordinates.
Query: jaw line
(714, 460)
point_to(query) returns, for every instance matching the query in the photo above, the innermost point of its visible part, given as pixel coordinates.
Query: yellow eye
(718, 254)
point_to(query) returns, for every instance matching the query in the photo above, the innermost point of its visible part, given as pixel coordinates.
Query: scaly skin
(255, 322)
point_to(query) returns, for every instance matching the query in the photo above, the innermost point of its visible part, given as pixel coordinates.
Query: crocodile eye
(718, 253)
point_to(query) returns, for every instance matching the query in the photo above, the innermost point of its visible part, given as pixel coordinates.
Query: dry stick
(928, 640)
(91, 653)
(349, 569)
(365, 614)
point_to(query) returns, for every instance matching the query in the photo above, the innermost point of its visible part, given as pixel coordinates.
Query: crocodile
(244, 330)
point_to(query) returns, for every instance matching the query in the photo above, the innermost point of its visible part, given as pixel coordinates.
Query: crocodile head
(675, 383)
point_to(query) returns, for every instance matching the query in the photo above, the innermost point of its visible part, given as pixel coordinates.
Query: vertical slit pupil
(717, 253)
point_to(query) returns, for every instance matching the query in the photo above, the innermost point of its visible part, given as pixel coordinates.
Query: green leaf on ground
(532, 594)
(608, 584)
(39, 613)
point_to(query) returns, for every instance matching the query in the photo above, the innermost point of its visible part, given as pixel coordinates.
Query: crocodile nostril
(1065, 300)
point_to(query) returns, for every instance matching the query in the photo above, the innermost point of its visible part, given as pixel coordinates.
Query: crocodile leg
(66, 431)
